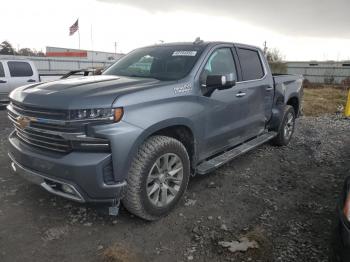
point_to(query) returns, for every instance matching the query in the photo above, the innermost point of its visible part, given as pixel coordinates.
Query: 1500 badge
(183, 89)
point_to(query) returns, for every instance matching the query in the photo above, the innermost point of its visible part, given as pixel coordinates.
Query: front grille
(40, 112)
(45, 136)
(42, 140)
(46, 133)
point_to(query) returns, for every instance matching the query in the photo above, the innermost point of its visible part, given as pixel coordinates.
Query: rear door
(257, 91)
(21, 73)
(4, 89)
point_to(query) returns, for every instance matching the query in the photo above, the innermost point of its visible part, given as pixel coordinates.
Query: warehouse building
(63, 53)
(328, 72)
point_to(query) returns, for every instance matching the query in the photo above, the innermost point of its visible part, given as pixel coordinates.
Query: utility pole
(115, 48)
(265, 47)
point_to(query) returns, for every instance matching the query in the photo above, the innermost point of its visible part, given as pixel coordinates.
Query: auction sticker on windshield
(184, 53)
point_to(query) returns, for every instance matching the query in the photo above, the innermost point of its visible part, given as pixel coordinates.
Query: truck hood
(80, 93)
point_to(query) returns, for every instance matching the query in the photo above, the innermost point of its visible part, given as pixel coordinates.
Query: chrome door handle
(269, 88)
(241, 94)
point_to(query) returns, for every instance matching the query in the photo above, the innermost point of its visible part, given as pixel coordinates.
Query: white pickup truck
(15, 73)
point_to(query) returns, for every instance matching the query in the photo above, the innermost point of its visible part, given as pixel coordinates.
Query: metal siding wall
(61, 66)
(320, 73)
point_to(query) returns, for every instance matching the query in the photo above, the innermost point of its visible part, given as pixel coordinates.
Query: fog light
(68, 189)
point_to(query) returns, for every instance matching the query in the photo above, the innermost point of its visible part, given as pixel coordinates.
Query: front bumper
(80, 173)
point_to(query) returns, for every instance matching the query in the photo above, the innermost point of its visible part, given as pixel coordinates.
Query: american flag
(74, 27)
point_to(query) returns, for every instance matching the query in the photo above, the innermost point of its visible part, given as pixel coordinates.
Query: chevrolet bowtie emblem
(23, 121)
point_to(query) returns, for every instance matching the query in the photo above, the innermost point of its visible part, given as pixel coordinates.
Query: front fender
(125, 139)
(146, 133)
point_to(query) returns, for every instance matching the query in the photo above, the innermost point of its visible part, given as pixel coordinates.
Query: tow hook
(114, 209)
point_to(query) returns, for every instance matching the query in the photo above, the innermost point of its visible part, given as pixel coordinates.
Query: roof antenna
(198, 41)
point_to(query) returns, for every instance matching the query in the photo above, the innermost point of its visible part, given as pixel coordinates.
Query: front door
(223, 109)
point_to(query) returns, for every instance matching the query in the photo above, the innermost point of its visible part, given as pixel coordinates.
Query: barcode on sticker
(184, 53)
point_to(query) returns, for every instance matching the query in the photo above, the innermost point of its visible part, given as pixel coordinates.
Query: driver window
(219, 63)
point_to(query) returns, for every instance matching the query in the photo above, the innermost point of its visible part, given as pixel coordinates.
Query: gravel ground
(282, 198)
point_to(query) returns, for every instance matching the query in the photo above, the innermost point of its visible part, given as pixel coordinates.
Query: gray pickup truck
(160, 114)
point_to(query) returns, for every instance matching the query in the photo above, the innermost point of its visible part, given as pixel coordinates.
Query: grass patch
(327, 100)
(119, 253)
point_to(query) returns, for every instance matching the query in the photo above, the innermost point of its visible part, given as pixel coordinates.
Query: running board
(212, 164)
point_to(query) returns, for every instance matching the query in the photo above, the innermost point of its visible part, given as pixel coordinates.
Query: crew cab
(15, 73)
(160, 114)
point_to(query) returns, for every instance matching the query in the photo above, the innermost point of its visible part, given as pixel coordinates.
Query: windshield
(160, 62)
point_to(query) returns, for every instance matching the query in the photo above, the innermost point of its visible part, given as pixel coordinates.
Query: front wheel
(286, 129)
(158, 177)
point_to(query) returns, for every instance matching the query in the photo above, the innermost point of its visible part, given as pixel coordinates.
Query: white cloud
(40, 23)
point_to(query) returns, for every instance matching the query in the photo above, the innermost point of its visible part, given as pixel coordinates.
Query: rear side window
(252, 68)
(18, 69)
(2, 73)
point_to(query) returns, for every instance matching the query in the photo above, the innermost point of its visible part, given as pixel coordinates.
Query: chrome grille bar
(60, 114)
(39, 137)
(48, 134)
(37, 145)
(46, 141)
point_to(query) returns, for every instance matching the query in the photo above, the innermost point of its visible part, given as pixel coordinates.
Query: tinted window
(220, 63)
(2, 73)
(160, 62)
(252, 68)
(18, 69)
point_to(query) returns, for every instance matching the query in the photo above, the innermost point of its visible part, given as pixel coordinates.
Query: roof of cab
(14, 60)
(203, 44)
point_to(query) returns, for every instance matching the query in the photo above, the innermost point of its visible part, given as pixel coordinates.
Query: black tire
(282, 139)
(136, 199)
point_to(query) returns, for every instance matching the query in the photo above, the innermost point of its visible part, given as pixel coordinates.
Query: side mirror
(219, 82)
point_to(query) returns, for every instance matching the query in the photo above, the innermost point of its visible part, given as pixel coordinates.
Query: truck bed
(285, 78)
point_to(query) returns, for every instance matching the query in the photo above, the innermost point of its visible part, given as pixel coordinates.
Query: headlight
(114, 114)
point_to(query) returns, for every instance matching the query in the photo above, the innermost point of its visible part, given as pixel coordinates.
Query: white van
(15, 73)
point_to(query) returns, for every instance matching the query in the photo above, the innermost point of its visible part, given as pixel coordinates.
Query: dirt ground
(283, 198)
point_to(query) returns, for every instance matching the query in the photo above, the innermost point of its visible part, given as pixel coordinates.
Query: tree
(275, 59)
(274, 55)
(6, 48)
(26, 52)
(40, 53)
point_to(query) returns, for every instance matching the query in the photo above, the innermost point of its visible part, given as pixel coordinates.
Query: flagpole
(79, 37)
(92, 47)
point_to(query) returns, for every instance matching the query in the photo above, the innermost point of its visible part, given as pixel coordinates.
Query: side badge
(183, 89)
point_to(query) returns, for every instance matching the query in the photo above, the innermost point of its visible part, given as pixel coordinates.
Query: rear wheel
(286, 130)
(158, 177)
